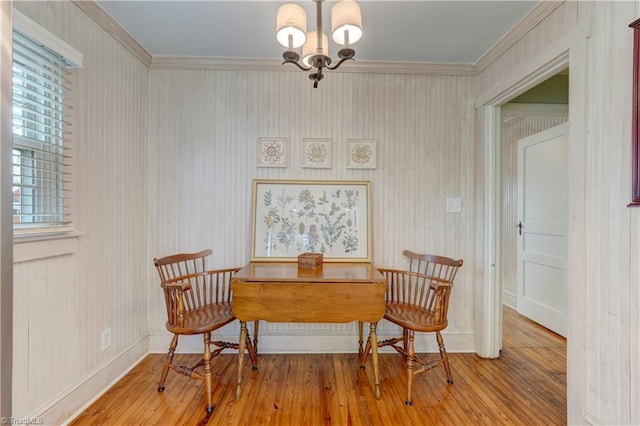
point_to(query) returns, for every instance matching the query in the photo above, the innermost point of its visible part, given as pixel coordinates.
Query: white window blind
(40, 152)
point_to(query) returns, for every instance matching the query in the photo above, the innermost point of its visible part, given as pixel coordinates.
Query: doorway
(568, 51)
(542, 107)
(538, 69)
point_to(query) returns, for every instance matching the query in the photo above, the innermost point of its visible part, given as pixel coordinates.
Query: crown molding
(519, 30)
(102, 18)
(258, 64)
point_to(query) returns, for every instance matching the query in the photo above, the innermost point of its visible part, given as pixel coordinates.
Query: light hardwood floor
(525, 386)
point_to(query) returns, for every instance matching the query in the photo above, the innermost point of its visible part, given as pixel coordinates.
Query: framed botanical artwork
(272, 152)
(635, 140)
(291, 217)
(316, 153)
(362, 154)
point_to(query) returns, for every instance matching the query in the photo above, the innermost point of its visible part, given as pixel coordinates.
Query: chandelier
(291, 32)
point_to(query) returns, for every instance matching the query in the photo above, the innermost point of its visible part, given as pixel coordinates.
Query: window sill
(33, 247)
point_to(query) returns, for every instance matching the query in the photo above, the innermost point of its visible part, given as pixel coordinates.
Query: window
(41, 111)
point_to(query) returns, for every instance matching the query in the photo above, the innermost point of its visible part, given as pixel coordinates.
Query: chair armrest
(173, 286)
(202, 288)
(438, 283)
(386, 270)
(195, 275)
(174, 299)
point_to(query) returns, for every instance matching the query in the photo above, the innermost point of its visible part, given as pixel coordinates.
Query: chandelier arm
(297, 65)
(339, 63)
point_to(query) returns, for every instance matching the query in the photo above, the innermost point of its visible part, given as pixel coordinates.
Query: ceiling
(399, 31)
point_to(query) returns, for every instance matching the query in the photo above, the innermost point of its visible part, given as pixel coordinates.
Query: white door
(542, 239)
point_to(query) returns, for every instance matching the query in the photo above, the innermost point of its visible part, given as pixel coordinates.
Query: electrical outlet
(106, 339)
(454, 205)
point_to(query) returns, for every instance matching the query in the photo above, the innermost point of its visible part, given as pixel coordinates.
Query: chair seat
(413, 317)
(204, 319)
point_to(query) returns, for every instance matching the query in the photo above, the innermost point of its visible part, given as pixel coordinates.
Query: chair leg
(168, 359)
(360, 341)
(405, 341)
(445, 358)
(255, 338)
(208, 374)
(411, 354)
(365, 353)
(251, 350)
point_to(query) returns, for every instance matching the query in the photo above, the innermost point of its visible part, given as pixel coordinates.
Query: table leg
(241, 347)
(360, 338)
(374, 355)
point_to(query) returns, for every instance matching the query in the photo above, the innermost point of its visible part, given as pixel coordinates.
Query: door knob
(519, 226)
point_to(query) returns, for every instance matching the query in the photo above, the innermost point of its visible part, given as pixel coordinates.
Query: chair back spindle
(433, 265)
(178, 265)
(413, 288)
(189, 292)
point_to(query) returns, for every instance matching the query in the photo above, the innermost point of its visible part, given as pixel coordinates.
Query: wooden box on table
(310, 260)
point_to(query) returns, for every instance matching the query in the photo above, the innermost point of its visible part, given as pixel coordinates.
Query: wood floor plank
(525, 386)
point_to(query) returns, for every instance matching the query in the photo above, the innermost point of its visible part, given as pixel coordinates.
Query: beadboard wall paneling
(533, 18)
(609, 247)
(514, 129)
(66, 302)
(203, 157)
(41, 331)
(557, 24)
(602, 370)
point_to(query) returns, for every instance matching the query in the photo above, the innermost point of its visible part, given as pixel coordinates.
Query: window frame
(30, 232)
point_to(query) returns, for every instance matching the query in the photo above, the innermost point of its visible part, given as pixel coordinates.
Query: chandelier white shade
(291, 25)
(346, 22)
(291, 32)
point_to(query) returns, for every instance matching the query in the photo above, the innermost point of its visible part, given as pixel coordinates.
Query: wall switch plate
(454, 205)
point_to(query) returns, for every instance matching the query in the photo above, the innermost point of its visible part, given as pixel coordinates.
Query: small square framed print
(272, 152)
(316, 153)
(362, 154)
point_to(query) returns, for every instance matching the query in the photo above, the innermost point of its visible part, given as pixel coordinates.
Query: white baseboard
(319, 342)
(79, 396)
(509, 299)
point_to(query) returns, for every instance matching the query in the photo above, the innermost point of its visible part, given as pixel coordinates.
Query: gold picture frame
(291, 217)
